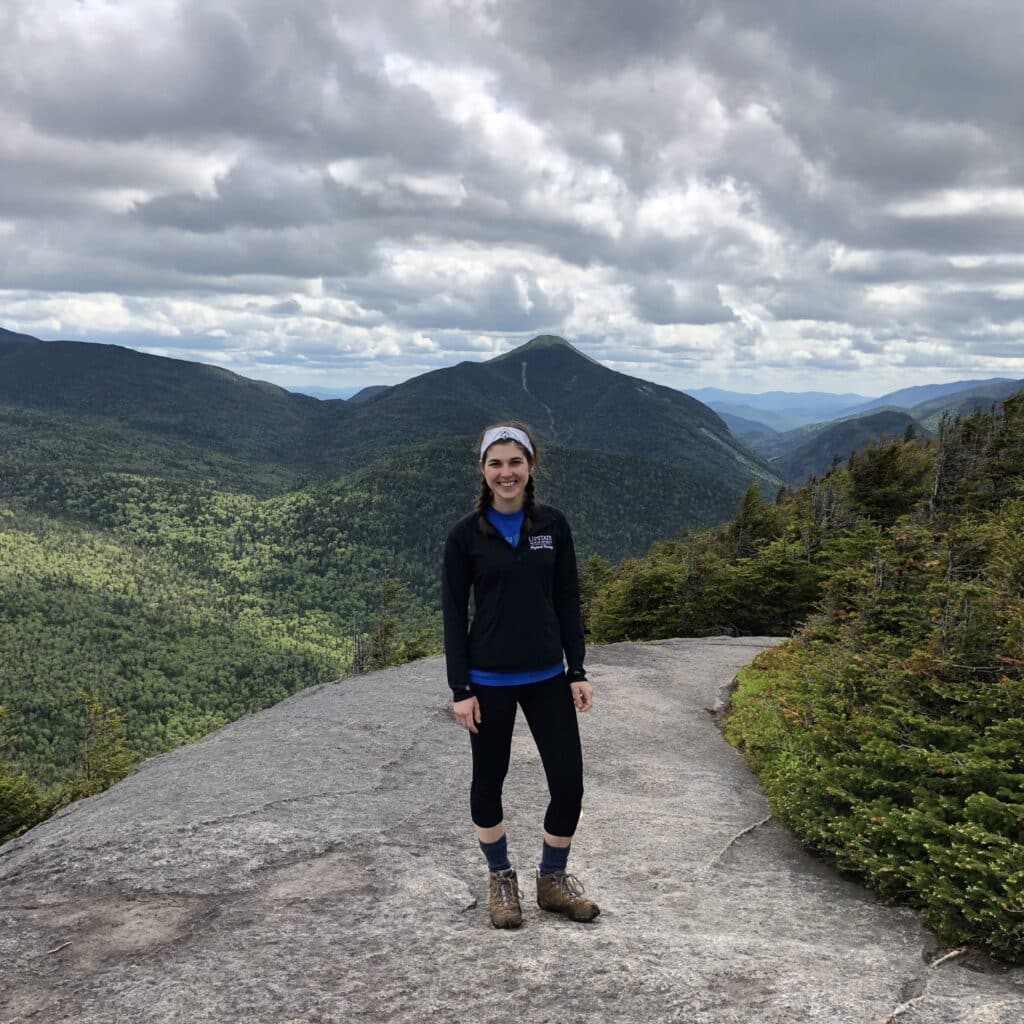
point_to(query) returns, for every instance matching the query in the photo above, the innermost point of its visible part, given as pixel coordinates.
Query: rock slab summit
(314, 863)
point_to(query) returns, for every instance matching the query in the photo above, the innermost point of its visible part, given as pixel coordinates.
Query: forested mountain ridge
(6, 336)
(808, 451)
(566, 396)
(916, 396)
(204, 408)
(964, 402)
(776, 423)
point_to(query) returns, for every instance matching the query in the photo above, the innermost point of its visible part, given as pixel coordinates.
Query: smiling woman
(518, 559)
(507, 471)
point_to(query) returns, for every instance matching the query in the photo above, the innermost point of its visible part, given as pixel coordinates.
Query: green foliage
(106, 757)
(813, 449)
(890, 732)
(22, 801)
(180, 652)
(914, 785)
(889, 479)
(757, 574)
(102, 758)
(594, 574)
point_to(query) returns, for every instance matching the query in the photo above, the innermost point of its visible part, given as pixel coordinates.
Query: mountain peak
(543, 341)
(6, 335)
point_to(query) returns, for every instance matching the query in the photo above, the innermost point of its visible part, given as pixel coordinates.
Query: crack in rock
(739, 835)
(916, 989)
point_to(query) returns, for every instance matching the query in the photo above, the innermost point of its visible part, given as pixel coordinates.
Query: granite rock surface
(314, 863)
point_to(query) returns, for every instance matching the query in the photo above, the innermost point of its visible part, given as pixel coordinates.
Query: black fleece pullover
(526, 600)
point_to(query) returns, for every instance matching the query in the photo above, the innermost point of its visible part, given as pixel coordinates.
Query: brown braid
(529, 504)
(485, 498)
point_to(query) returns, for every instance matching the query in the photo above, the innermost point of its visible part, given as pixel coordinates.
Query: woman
(518, 559)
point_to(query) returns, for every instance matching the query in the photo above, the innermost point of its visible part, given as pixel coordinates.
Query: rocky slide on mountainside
(314, 863)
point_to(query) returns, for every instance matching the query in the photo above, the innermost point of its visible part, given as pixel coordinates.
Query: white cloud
(830, 196)
(1004, 202)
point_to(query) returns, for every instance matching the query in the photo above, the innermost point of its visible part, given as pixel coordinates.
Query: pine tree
(105, 757)
(22, 802)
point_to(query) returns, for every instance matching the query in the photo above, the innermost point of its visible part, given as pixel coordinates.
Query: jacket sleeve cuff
(461, 692)
(577, 675)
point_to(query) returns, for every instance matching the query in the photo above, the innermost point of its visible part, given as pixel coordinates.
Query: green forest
(889, 731)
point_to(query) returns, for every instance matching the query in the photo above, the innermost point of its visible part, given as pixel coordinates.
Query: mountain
(196, 545)
(963, 403)
(14, 336)
(811, 450)
(780, 410)
(783, 411)
(569, 399)
(365, 394)
(203, 409)
(910, 398)
(778, 401)
(750, 432)
(325, 394)
(357, 394)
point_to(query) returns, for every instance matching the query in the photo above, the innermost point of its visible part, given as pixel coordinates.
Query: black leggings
(551, 715)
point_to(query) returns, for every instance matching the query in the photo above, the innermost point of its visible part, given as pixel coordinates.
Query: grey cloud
(868, 345)
(274, 73)
(664, 302)
(91, 255)
(945, 61)
(962, 234)
(498, 305)
(231, 353)
(822, 117)
(598, 36)
(253, 193)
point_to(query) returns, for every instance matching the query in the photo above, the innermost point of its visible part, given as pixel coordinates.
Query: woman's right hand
(467, 713)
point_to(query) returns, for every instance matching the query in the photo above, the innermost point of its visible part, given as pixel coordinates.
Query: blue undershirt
(509, 525)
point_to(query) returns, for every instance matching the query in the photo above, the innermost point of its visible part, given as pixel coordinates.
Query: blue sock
(554, 858)
(497, 854)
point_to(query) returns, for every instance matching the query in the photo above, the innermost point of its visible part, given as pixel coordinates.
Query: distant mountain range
(811, 450)
(326, 394)
(798, 453)
(256, 436)
(116, 409)
(779, 411)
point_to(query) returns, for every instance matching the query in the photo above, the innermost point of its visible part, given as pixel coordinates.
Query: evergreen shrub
(889, 731)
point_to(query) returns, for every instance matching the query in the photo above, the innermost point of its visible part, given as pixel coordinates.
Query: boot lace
(505, 890)
(572, 885)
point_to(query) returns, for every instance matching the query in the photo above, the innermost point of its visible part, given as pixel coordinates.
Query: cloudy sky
(743, 193)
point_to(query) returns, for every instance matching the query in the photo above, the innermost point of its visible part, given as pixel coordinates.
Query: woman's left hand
(582, 695)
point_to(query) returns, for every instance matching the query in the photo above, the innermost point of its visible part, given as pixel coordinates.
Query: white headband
(496, 434)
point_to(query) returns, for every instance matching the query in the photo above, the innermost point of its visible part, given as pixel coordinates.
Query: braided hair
(485, 498)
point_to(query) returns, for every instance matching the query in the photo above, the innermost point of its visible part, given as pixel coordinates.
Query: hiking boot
(562, 893)
(505, 909)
